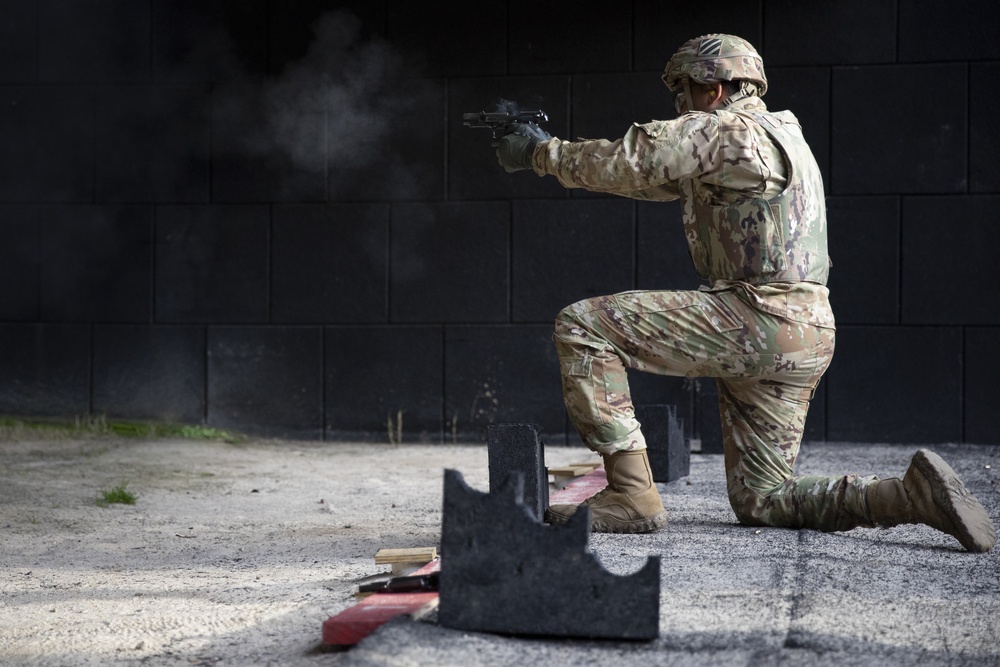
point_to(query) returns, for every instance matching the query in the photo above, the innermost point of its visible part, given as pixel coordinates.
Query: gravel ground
(235, 554)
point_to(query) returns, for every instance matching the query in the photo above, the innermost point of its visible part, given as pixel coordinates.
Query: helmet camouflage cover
(713, 58)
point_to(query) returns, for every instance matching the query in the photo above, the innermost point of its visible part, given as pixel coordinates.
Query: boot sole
(970, 520)
(646, 525)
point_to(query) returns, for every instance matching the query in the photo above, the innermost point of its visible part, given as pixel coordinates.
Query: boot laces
(597, 496)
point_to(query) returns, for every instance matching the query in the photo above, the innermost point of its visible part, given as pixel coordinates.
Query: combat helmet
(712, 58)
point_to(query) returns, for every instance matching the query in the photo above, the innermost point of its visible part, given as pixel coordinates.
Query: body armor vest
(757, 240)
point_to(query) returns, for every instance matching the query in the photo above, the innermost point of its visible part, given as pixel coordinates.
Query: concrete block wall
(267, 215)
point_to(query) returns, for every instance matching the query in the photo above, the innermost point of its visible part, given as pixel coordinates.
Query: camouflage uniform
(755, 222)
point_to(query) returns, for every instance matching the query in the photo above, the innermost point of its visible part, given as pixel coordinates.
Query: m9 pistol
(500, 122)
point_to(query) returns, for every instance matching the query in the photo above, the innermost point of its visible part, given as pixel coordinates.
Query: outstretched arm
(646, 163)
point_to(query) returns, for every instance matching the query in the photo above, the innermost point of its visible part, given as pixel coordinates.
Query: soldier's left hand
(517, 146)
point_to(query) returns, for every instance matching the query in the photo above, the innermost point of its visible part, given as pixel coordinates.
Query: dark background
(267, 216)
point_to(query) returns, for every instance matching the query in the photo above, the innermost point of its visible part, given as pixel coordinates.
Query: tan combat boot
(931, 493)
(629, 504)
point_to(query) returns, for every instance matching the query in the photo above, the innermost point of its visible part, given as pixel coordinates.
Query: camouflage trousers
(767, 368)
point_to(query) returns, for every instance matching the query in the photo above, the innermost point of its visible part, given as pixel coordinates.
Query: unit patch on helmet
(710, 47)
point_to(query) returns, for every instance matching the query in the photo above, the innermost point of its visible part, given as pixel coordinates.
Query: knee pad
(747, 505)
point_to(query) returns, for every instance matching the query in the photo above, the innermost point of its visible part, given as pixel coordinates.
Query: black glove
(518, 145)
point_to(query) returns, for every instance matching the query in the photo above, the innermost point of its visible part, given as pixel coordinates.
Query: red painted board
(355, 623)
(580, 488)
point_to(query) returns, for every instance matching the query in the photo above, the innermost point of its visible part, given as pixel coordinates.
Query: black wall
(267, 216)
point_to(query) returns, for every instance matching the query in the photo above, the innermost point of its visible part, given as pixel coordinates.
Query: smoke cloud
(348, 95)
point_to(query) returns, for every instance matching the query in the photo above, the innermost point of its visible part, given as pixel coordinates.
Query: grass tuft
(98, 426)
(395, 431)
(116, 495)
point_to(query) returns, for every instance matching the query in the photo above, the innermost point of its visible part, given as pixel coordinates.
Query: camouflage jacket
(750, 224)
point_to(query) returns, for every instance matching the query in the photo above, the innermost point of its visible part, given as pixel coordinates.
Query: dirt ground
(232, 554)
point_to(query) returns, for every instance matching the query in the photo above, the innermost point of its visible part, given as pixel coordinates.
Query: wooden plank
(565, 475)
(415, 555)
(575, 469)
(569, 471)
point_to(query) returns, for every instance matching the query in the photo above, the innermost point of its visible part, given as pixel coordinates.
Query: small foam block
(518, 448)
(668, 449)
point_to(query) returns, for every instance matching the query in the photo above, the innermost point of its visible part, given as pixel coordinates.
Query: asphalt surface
(732, 595)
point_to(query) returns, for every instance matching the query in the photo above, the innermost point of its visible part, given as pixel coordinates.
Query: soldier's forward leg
(597, 340)
(682, 333)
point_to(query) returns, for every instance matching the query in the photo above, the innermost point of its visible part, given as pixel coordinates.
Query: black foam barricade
(668, 449)
(518, 448)
(503, 571)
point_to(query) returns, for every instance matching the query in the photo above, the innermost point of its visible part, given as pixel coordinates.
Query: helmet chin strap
(686, 81)
(747, 89)
(734, 98)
